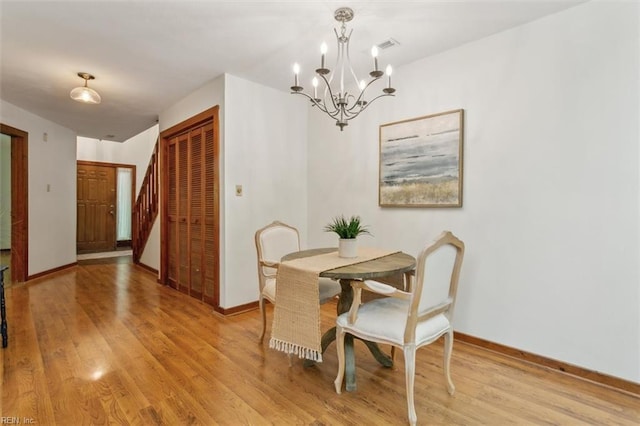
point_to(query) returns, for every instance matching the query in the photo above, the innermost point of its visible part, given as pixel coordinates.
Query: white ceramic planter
(348, 247)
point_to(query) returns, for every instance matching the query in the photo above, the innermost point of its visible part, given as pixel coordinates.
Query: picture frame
(421, 161)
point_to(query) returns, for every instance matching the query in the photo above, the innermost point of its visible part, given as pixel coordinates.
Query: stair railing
(146, 208)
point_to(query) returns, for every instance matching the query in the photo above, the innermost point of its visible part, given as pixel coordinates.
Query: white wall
(5, 191)
(551, 186)
(638, 168)
(52, 214)
(265, 152)
(262, 148)
(207, 96)
(134, 151)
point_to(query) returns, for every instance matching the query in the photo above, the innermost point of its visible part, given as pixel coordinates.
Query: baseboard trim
(237, 309)
(51, 271)
(147, 268)
(593, 376)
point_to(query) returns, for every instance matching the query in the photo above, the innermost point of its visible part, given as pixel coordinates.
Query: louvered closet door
(182, 174)
(191, 234)
(172, 213)
(210, 231)
(178, 203)
(195, 214)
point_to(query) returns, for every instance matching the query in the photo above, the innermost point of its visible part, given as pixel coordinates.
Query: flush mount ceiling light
(336, 102)
(84, 93)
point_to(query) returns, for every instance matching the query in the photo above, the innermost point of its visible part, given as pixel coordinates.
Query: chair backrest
(436, 281)
(272, 242)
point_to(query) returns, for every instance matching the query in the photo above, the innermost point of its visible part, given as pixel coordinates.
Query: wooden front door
(96, 208)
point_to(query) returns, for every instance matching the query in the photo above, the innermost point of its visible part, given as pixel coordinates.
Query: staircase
(145, 210)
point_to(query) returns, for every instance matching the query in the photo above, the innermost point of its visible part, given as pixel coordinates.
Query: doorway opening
(5, 203)
(16, 225)
(105, 195)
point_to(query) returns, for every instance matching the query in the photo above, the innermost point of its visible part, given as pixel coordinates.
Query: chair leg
(409, 373)
(264, 317)
(340, 348)
(448, 348)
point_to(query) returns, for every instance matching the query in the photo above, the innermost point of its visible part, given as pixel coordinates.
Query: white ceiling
(146, 55)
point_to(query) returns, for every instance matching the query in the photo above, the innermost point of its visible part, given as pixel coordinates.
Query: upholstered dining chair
(409, 320)
(272, 242)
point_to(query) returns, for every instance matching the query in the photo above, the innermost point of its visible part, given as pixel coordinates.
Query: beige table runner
(296, 319)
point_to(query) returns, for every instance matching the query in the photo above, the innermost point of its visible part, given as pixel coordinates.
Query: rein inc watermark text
(12, 420)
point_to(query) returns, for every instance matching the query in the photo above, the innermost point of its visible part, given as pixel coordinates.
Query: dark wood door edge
(19, 202)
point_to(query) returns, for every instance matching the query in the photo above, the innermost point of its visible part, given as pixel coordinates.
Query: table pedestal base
(344, 304)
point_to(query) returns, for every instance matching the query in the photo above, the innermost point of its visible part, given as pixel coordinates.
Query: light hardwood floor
(103, 343)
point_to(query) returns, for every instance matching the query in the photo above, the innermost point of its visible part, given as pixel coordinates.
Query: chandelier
(337, 102)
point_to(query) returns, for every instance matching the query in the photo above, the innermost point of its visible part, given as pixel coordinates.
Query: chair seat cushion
(385, 320)
(269, 289)
(328, 289)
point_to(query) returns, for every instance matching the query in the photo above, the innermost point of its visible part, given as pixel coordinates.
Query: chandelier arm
(359, 98)
(338, 60)
(369, 103)
(355, 109)
(336, 109)
(350, 115)
(313, 101)
(321, 105)
(353, 73)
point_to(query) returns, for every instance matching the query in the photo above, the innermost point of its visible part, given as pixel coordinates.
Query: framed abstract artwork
(421, 161)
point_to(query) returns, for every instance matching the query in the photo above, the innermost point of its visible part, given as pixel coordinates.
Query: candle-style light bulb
(314, 83)
(296, 71)
(389, 71)
(323, 52)
(362, 85)
(374, 53)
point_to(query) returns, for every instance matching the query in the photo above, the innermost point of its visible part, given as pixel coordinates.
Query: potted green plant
(348, 231)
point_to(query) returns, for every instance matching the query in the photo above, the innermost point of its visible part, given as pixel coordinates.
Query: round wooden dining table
(396, 263)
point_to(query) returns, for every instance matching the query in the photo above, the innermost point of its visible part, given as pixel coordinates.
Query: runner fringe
(291, 348)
